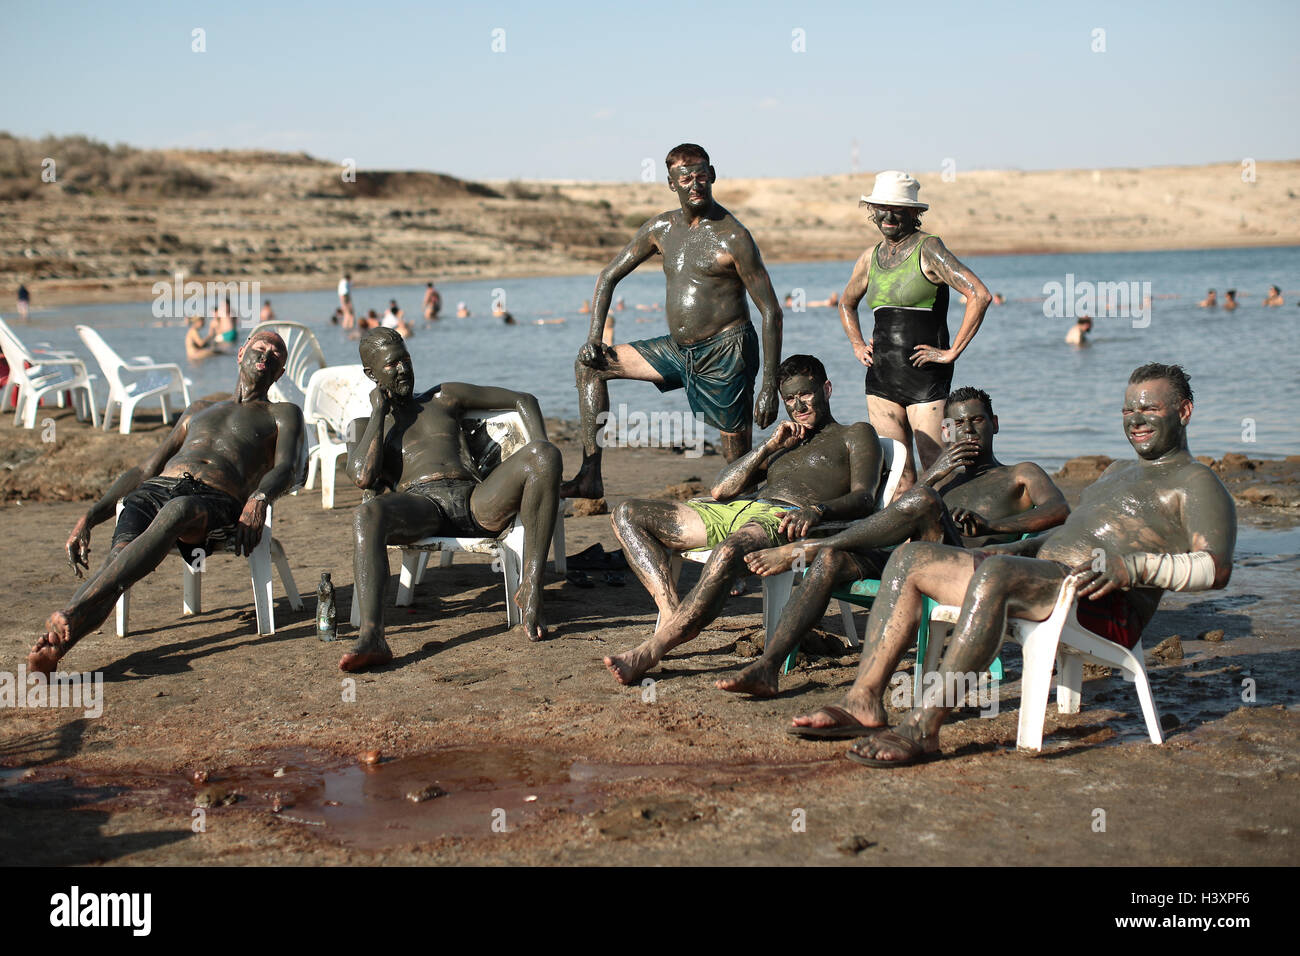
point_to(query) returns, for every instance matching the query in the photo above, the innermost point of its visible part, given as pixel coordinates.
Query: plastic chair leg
(123, 613)
(286, 575)
(1069, 681)
(406, 582)
(1039, 654)
(510, 571)
(1143, 687)
(259, 566)
(846, 615)
(191, 587)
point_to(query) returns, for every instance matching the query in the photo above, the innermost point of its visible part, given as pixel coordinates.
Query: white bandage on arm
(1193, 571)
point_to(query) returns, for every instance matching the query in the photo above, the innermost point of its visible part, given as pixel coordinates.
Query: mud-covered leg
(398, 518)
(620, 361)
(649, 532)
(914, 571)
(1002, 586)
(528, 484)
(829, 570)
(697, 609)
(91, 605)
(890, 421)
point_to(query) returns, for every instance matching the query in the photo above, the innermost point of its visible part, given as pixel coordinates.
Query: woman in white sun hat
(905, 280)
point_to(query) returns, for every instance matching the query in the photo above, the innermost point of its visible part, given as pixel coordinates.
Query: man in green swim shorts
(816, 470)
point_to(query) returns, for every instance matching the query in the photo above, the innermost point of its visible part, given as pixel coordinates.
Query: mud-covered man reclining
(966, 498)
(816, 470)
(414, 444)
(1163, 522)
(208, 482)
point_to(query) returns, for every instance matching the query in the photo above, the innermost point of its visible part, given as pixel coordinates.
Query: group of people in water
(1229, 303)
(963, 528)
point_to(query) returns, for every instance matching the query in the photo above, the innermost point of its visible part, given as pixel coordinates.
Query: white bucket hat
(894, 188)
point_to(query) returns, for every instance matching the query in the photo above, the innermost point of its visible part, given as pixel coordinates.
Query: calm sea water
(1053, 401)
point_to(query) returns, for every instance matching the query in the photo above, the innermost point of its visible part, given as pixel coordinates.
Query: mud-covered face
(390, 368)
(806, 401)
(894, 222)
(1155, 421)
(970, 419)
(261, 360)
(693, 184)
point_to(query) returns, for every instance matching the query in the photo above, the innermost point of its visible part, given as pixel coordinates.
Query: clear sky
(586, 90)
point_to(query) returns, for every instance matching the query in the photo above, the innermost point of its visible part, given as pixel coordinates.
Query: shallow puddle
(457, 793)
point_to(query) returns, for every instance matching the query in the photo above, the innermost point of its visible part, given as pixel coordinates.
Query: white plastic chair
(129, 384)
(33, 375)
(777, 587)
(335, 397)
(304, 358)
(268, 550)
(506, 428)
(1063, 641)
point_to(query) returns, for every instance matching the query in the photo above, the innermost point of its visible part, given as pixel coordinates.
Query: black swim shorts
(142, 505)
(452, 495)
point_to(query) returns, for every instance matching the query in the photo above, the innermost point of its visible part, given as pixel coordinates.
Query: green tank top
(902, 287)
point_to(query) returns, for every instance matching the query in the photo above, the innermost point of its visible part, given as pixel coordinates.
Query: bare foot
(529, 600)
(49, 650)
(757, 679)
(583, 485)
(867, 716)
(771, 560)
(738, 587)
(366, 653)
(630, 666)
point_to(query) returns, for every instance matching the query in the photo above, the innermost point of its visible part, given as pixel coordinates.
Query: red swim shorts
(1113, 617)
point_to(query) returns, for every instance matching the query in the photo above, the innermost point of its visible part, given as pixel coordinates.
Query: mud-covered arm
(1047, 510)
(849, 301)
(78, 543)
(1210, 518)
(752, 272)
(940, 265)
(748, 470)
(279, 479)
(366, 457)
(641, 248)
(489, 397)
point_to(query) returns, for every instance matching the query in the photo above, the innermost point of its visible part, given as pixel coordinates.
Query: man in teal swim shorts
(816, 470)
(711, 263)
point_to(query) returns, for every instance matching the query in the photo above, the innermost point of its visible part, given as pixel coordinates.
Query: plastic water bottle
(325, 620)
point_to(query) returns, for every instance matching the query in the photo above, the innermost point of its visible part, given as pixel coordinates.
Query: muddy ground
(494, 750)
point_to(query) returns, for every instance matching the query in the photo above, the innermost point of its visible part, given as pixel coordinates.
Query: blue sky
(588, 90)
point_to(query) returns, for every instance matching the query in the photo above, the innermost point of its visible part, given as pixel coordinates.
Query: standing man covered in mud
(1163, 522)
(711, 349)
(211, 480)
(414, 444)
(816, 470)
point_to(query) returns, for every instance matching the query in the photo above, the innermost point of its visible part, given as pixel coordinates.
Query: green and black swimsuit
(909, 310)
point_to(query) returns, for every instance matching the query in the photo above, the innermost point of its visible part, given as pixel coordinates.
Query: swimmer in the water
(1210, 301)
(1274, 296)
(1078, 334)
(1230, 300)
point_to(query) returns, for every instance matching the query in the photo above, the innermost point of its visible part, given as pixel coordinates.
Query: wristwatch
(258, 496)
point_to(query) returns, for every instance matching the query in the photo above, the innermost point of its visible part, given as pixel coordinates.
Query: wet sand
(472, 721)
